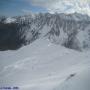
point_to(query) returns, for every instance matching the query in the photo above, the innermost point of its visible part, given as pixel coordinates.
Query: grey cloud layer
(68, 6)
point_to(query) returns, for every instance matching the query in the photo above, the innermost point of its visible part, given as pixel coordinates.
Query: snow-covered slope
(80, 81)
(43, 65)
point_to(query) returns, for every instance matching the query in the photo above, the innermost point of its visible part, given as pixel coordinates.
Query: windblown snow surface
(43, 65)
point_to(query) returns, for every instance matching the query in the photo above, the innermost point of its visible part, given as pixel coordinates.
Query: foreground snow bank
(45, 66)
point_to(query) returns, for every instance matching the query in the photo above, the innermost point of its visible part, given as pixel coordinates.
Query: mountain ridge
(67, 30)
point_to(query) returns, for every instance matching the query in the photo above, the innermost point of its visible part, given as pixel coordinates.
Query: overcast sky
(20, 7)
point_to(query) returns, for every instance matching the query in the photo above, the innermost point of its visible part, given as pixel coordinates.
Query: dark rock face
(9, 36)
(66, 30)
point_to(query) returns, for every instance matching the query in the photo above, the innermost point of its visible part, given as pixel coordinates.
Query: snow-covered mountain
(44, 62)
(10, 20)
(71, 30)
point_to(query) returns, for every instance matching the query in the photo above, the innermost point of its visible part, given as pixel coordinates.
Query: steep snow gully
(44, 62)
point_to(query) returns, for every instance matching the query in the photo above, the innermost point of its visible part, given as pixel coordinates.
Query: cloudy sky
(20, 7)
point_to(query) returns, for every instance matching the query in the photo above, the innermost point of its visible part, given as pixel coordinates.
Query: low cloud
(64, 6)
